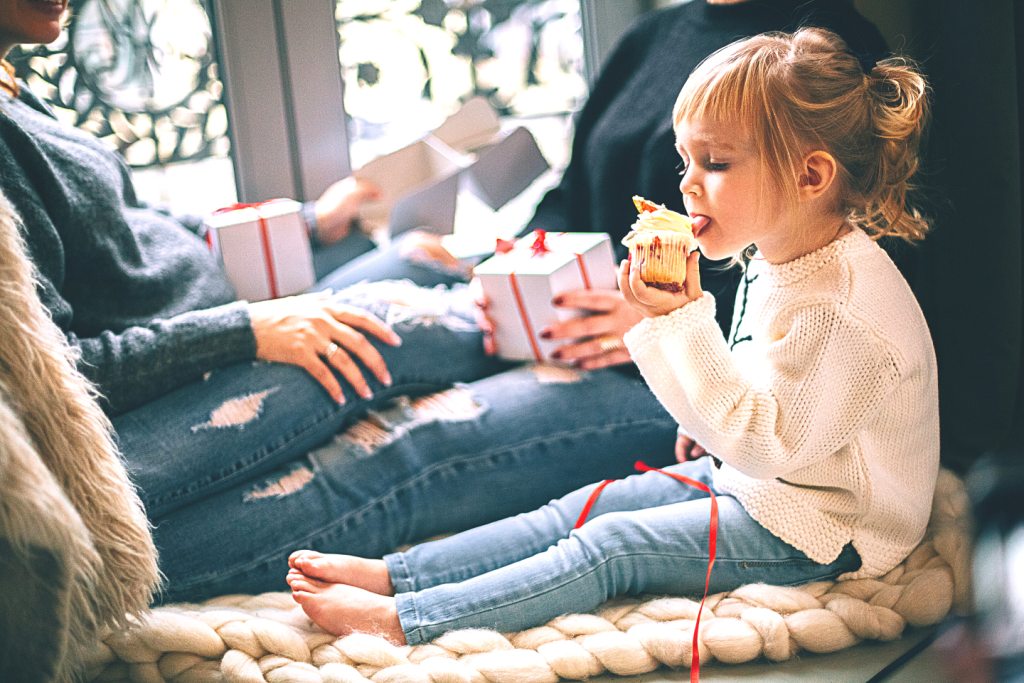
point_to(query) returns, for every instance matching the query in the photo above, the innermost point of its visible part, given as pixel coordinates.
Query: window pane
(407, 64)
(141, 75)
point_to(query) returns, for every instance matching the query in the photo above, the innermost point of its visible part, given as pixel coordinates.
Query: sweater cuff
(308, 212)
(649, 331)
(233, 339)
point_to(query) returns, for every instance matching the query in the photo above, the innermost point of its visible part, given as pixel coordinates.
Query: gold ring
(331, 349)
(609, 344)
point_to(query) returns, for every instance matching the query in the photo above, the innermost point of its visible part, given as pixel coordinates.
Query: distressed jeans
(256, 460)
(647, 533)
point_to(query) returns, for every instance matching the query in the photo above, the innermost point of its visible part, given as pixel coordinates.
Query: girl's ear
(817, 174)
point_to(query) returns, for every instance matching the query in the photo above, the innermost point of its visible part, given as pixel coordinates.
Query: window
(141, 75)
(407, 64)
(264, 111)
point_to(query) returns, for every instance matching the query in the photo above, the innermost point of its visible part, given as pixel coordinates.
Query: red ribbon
(712, 544)
(540, 246)
(268, 256)
(503, 246)
(524, 317)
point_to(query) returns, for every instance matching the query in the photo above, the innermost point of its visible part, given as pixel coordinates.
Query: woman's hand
(417, 245)
(651, 301)
(317, 334)
(339, 205)
(595, 340)
(687, 449)
(483, 321)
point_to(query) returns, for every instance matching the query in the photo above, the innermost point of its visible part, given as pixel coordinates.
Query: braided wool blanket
(264, 638)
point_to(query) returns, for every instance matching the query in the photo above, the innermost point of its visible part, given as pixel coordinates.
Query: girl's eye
(716, 165)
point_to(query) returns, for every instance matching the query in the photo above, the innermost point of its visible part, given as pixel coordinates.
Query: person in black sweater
(623, 145)
(235, 459)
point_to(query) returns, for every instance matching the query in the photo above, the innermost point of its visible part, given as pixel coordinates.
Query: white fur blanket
(264, 638)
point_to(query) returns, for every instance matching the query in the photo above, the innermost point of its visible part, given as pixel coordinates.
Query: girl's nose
(688, 187)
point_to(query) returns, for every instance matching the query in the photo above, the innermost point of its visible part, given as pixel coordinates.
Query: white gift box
(420, 182)
(263, 247)
(520, 285)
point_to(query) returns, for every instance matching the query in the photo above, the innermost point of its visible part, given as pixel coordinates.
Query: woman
(235, 458)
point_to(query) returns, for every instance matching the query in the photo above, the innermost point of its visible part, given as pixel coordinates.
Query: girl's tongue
(699, 222)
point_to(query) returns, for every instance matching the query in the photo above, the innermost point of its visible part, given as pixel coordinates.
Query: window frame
(285, 101)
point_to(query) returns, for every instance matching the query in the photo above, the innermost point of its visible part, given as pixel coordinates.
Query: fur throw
(75, 549)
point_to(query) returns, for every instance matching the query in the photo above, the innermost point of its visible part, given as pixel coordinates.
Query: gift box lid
(526, 258)
(245, 213)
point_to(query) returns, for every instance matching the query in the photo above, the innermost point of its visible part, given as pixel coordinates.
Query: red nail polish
(545, 334)
(558, 300)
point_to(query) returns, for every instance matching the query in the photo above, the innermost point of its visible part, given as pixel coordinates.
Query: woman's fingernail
(545, 334)
(387, 380)
(557, 354)
(340, 399)
(558, 300)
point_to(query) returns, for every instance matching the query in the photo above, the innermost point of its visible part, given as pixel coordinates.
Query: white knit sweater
(826, 419)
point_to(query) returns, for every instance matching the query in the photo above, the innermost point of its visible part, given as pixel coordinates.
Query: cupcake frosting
(655, 217)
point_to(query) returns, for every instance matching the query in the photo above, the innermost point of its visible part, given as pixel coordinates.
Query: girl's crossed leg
(647, 534)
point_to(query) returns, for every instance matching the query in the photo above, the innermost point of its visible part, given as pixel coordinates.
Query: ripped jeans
(256, 460)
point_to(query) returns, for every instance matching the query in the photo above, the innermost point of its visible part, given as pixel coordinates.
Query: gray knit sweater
(134, 289)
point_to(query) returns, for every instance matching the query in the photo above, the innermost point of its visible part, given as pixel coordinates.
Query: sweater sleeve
(821, 376)
(139, 364)
(563, 208)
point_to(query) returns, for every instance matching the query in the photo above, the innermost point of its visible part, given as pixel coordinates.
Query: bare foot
(341, 609)
(371, 575)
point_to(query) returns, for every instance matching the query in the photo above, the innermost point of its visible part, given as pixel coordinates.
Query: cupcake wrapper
(661, 261)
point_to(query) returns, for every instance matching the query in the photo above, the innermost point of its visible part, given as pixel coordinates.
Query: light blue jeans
(256, 461)
(647, 533)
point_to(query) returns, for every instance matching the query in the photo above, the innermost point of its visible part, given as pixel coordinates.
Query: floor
(908, 660)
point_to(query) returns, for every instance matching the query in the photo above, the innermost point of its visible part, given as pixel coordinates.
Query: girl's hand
(651, 301)
(595, 340)
(317, 334)
(339, 205)
(687, 449)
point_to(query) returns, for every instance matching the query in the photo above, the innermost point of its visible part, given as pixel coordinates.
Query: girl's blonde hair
(807, 88)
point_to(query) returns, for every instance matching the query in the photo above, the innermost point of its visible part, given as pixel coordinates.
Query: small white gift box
(521, 283)
(263, 247)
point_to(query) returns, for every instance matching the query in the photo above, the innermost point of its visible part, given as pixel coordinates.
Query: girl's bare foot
(371, 575)
(341, 609)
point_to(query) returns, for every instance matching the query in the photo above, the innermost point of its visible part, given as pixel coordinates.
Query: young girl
(822, 406)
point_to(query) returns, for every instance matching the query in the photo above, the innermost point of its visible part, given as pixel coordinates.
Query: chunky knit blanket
(264, 638)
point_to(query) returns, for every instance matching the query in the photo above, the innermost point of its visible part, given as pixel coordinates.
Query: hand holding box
(521, 283)
(264, 248)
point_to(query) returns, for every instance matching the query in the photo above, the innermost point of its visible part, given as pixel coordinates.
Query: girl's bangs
(717, 91)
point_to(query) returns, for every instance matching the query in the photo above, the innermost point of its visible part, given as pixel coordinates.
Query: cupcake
(659, 242)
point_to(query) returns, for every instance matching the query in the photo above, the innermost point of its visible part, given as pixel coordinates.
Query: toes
(301, 556)
(314, 566)
(304, 583)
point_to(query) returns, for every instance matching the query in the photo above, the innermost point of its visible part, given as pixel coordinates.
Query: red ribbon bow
(245, 205)
(540, 246)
